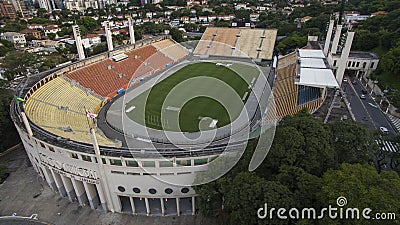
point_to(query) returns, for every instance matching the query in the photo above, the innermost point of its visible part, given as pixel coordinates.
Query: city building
(7, 9)
(17, 39)
(32, 33)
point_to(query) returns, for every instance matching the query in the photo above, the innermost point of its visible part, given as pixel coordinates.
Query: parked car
(384, 130)
(362, 96)
(354, 82)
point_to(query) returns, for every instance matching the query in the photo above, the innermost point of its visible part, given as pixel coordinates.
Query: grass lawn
(186, 114)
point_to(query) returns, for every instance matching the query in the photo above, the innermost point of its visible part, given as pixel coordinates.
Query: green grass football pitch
(181, 114)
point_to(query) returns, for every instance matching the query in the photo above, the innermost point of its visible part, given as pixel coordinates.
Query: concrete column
(343, 58)
(162, 206)
(102, 198)
(105, 190)
(131, 31)
(69, 188)
(59, 184)
(91, 194)
(336, 39)
(177, 207)
(49, 178)
(27, 125)
(78, 41)
(132, 205)
(146, 200)
(80, 192)
(106, 25)
(193, 205)
(328, 37)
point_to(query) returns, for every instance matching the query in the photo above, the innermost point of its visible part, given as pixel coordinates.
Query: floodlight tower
(328, 37)
(344, 57)
(131, 30)
(78, 41)
(107, 28)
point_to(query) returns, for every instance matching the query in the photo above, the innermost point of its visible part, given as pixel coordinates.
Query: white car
(362, 96)
(384, 130)
(345, 79)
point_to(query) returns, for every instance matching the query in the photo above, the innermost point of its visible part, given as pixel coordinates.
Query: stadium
(112, 132)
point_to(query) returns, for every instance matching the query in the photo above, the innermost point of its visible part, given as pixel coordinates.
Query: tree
(5, 46)
(302, 184)
(89, 23)
(176, 34)
(291, 42)
(366, 40)
(17, 62)
(353, 142)
(40, 12)
(100, 48)
(363, 187)
(391, 61)
(301, 141)
(247, 193)
(52, 36)
(7, 130)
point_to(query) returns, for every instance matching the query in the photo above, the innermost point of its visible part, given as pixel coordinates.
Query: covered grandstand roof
(311, 53)
(313, 70)
(312, 63)
(317, 78)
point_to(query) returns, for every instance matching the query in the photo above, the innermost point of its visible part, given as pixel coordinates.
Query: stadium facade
(97, 163)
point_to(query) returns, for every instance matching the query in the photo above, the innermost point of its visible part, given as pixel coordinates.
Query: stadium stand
(286, 92)
(254, 43)
(59, 108)
(107, 77)
(174, 51)
(249, 42)
(223, 41)
(100, 78)
(307, 94)
(145, 52)
(158, 61)
(268, 43)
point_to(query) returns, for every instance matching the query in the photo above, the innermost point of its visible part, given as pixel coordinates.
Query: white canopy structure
(312, 63)
(312, 70)
(311, 53)
(317, 78)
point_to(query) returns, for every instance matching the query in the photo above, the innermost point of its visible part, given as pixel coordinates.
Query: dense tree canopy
(301, 170)
(363, 187)
(7, 131)
(352, 142)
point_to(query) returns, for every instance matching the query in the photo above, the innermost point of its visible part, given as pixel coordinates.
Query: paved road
(365, 110)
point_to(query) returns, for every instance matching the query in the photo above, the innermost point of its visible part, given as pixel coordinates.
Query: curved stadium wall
(113, 180)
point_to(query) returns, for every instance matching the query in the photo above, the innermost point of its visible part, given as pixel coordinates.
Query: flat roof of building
(364, 55)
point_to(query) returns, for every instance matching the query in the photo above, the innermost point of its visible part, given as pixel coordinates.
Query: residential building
(17, 39)
(51, 29)
(7, 9)
(32, 33)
